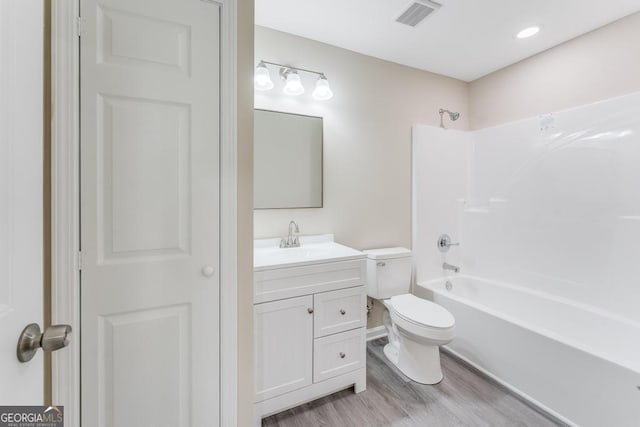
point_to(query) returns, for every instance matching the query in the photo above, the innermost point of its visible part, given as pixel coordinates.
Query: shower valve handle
(444, 243)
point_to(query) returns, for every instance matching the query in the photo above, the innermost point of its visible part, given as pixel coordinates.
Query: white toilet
(416, 327)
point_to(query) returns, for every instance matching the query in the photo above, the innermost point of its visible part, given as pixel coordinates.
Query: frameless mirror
(287, 170)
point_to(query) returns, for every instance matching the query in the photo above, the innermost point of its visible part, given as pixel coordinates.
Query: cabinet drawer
(339, 311)
(280, 283)
(337, 354)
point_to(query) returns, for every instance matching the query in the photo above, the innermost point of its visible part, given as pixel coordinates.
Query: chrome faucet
(292, 240)
(447, 266)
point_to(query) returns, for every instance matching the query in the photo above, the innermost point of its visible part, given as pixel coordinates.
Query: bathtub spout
(454, 268)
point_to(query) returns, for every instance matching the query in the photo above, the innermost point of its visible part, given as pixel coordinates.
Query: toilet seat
(421, 313)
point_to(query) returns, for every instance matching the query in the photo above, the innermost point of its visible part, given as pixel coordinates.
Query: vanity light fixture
(293, 83)
(322, 91)
(262, 78)
(528, 32)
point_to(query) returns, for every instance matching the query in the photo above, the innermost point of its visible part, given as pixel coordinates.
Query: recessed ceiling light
(528, 32)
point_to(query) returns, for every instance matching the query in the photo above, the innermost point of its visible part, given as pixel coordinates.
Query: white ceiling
(465, 39)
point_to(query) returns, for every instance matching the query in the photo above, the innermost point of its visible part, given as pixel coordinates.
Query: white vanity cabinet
(309, 331)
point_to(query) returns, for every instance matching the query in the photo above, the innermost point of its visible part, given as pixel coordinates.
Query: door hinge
(80, 21)
(79, 261)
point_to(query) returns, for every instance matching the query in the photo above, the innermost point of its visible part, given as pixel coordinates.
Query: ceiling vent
(417, 11)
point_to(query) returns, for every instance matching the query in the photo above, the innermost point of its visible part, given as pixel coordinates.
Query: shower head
(453, 116)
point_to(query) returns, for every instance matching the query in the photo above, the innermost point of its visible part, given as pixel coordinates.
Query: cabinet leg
(361, 385)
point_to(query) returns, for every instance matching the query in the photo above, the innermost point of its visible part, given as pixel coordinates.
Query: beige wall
(245, 212)
(599, 65)
(367, 138)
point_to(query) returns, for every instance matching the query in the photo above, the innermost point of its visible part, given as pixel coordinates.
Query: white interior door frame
(65, 187)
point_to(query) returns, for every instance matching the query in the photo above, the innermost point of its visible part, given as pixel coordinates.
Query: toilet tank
(388, 272)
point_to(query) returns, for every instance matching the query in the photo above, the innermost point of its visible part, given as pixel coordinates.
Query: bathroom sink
(312, 250)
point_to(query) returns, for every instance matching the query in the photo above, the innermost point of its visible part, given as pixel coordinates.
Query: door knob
(31, 339)
(207, 271)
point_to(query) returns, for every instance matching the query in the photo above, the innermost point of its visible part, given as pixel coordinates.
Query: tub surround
(550, 203)
(546, 212)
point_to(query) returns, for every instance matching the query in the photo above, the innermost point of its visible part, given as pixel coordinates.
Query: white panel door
(283, 336)
(20, 195)
(149, 213)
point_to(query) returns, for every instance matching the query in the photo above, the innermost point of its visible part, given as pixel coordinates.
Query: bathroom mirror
(287, 170)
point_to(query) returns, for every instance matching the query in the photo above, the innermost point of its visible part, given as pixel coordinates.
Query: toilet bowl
(416, 327)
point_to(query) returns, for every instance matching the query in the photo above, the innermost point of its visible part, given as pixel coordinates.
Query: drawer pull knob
(310, 310)
(343, 312)
(342, 355)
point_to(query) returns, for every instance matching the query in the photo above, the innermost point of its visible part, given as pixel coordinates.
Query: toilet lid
(421, 311)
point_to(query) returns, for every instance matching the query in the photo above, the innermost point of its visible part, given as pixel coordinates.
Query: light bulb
(262, 79)
(293, 85)
(322, 91)
(528, 32)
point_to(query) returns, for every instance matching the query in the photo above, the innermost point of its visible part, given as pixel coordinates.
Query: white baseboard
(377, 332)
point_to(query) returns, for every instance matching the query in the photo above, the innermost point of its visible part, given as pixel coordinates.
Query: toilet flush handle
(381, 264)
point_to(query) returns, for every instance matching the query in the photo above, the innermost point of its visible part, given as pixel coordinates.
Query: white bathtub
(577, 363)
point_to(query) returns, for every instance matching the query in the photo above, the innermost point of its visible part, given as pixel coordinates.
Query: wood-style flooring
(463, 398)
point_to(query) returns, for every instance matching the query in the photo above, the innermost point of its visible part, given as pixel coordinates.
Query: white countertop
(319, 249)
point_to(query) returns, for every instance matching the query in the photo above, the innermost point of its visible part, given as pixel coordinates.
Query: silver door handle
(31, 339)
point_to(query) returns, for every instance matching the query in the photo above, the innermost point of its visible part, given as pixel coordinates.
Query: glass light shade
(262, 79)
(322, 91)
(293, 86)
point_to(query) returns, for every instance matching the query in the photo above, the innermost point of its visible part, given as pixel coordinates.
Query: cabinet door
(283, 336)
